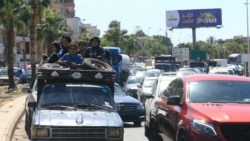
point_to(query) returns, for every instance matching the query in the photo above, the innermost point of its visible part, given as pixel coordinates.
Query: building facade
(66, 9)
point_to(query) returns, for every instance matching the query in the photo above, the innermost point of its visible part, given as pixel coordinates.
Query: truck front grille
(78, 133)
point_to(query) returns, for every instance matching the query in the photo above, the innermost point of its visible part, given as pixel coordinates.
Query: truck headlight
(114, 132)
(203, 127)
(40, 132)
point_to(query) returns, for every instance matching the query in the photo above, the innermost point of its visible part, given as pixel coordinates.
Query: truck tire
(95, 64)
(28, 125)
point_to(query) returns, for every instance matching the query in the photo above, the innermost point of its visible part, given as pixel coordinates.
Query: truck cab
(67, 104)
(166, 63)
(116, 61)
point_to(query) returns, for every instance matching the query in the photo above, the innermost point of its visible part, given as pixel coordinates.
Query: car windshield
(119, 91)
(148, 82)
(133, 80)
(3, 72)
(163, 84)
(219, 91)
(72, 94)
(17, 71)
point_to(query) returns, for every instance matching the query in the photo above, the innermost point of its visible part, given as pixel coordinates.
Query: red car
(204, 107)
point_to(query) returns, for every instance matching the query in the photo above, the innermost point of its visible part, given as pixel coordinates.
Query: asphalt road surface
(131, 133)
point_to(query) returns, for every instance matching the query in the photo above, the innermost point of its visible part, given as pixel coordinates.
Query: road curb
(11, 112)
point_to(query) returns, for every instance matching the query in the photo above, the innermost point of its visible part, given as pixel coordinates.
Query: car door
(149, 103)
(165, 112)
(162, 113)
(174, 110)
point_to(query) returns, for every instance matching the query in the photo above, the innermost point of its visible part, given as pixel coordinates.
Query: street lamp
(159, 31)
(247, 39)
(148, 31)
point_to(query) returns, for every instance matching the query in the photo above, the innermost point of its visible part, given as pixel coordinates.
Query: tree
(37, 7)
(114, 33)
(140, 33)
(157, 49)
(130, 45)
(14, 16)
(51, 28)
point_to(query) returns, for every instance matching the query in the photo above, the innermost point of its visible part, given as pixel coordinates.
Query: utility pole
(248, 64)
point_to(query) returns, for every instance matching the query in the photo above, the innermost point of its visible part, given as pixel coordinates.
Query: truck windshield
(69, 95)
(197, 65)
(164, 67)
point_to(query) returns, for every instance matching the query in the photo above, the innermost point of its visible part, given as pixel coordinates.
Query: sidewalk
(9, 116)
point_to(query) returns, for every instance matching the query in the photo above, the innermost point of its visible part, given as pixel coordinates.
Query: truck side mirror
(119, 58)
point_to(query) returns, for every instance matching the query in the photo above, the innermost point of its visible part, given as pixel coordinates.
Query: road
(131, 133)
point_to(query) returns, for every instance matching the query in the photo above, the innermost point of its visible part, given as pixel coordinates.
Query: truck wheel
(28, 125)
(95, 64)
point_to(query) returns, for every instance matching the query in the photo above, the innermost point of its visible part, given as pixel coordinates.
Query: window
(179, 89)
(154, 87)
(170, 90)
(219, 91)
(72, 94)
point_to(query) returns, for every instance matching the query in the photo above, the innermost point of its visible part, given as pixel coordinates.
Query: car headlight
(115, 132)
(40, 132)
(139, 106)
(203, 127)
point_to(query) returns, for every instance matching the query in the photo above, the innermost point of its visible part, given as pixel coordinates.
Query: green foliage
(14, 15)
(106, 43)
(115, 33)
(51, 28)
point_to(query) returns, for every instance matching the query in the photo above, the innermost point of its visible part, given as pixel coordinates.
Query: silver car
(68, 105)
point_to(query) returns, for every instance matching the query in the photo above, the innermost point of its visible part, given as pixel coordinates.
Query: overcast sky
(150, 16)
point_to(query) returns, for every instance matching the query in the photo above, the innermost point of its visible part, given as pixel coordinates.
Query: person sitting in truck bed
(71, 59)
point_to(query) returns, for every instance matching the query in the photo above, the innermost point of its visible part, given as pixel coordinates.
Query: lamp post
(148, 31)
(159, 32)
(159, 35)
(247, 39)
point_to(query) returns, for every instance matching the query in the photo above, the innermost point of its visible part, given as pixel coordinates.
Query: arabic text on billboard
(193, 18)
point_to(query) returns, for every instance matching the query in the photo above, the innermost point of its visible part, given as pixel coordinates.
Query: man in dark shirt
(95, 51)
(65, 41)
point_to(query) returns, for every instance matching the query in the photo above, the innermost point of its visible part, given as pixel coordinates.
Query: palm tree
(129, 44)
(14, 16)
(37, 7)
(114, 33)
(51, 28)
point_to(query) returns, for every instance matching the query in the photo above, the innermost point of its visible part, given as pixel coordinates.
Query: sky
(150, 16)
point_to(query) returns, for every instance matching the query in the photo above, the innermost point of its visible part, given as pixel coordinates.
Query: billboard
(193, 18)
(181, 54)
